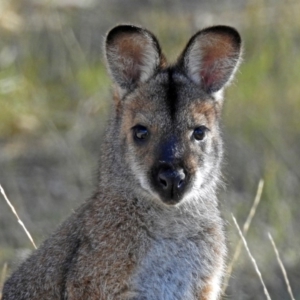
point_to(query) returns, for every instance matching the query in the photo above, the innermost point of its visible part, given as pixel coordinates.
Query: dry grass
(17, 216)
(246, 226)
(2, 278)
(252, 259)
(282, 268)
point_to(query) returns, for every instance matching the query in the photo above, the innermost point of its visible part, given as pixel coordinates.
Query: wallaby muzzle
(170, 183)
(169, 176)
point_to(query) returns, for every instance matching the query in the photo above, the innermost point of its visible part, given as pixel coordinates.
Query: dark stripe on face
(168, 151)
(171, 94)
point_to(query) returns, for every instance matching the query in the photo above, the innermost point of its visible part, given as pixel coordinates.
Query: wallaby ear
(211, 57)
(133, 55)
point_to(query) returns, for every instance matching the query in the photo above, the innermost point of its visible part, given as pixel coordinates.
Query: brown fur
(152, 230)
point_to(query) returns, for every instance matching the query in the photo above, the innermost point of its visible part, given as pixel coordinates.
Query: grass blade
(17, 216)
(282, 267)
(245, 231)
(252, 259)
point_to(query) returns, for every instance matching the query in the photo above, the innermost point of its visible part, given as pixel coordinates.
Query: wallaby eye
(140, 132)
(199, 133)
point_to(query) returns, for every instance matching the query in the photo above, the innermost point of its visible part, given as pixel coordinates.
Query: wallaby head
(166, 125)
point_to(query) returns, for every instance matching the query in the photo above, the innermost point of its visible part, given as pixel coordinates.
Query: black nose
(171, 179)
(171, 183)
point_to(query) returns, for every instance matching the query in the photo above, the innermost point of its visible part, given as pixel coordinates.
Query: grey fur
(126, 242)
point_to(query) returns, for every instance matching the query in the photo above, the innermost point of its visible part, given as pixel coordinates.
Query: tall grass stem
(17, 216)
(282, 267)
(245, 231)
(252, 258)
(2, 278)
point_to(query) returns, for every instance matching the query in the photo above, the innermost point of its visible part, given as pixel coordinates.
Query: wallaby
(152, 230)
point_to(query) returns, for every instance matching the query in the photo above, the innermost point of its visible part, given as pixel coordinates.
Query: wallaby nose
(171, 181)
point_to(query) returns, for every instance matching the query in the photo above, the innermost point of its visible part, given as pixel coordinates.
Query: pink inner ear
(130, 72)
(212, 72)
(207, 78)
(217, 63)
(131, 56)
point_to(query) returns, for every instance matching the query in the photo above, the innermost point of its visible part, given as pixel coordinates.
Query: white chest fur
(171, 270)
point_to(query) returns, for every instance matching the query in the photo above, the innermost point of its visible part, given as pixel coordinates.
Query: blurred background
(55, 96)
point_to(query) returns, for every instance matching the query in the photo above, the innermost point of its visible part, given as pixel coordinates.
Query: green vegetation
(55, 95)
